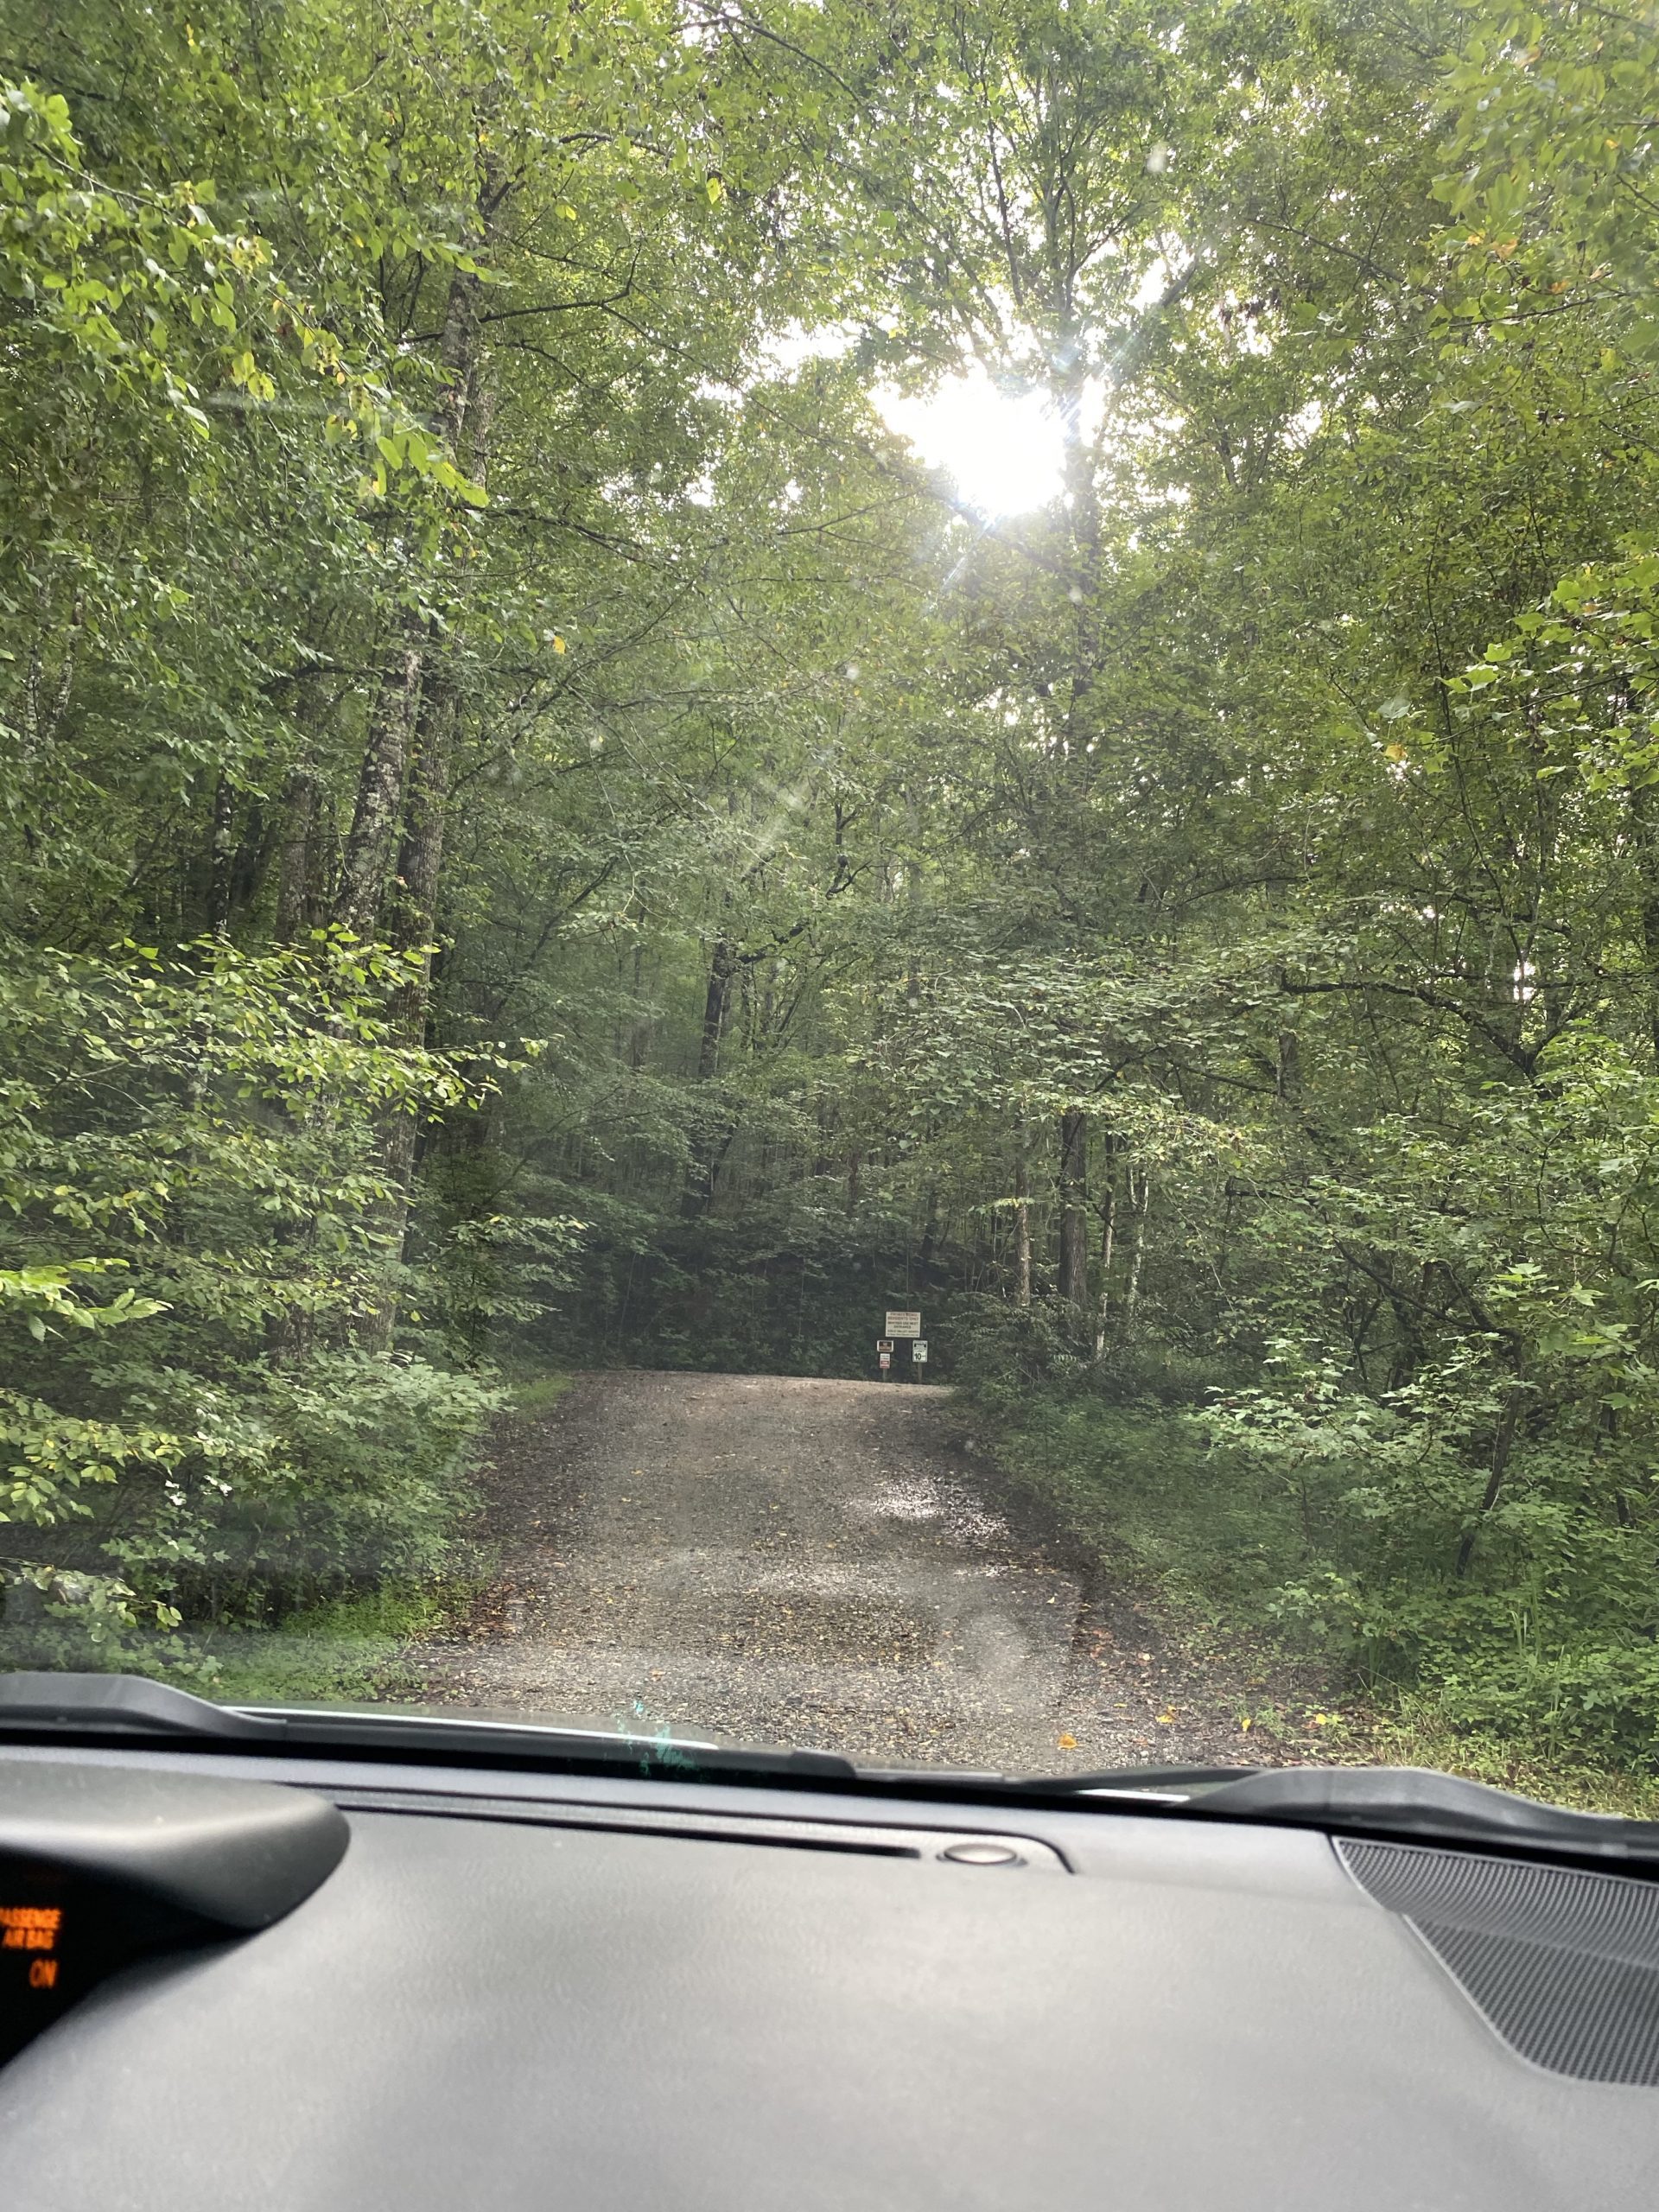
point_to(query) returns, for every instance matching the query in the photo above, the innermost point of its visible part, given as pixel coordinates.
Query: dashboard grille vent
(1565, 1964)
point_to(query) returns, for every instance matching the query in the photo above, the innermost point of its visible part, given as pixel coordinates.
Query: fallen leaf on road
(1068, 1743)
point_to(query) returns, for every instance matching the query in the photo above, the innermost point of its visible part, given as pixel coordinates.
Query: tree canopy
(536, 825)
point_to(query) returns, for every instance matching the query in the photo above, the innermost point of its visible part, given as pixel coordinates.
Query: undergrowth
(1242, 1554)
(358, 1649)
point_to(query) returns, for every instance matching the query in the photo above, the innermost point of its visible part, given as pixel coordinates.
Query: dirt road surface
(788, 1561)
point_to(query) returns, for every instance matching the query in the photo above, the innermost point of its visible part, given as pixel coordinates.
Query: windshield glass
(830, 871)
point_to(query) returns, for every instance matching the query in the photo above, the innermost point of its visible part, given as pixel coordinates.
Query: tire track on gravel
(787, 1560)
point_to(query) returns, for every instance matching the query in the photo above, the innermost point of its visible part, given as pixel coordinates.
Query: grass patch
(534, 1390)
(1142, 1490)
(1216, 1536)
(351, 1650)
(1410, 1732)
(357, 1651)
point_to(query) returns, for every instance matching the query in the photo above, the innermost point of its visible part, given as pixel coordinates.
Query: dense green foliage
(533, 825)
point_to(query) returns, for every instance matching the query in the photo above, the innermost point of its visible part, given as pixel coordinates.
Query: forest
(537, 830)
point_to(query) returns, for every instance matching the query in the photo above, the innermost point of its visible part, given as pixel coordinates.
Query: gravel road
(786, 1560)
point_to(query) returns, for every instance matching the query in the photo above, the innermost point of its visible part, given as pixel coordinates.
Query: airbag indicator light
(41, 1967)
(29, 1927)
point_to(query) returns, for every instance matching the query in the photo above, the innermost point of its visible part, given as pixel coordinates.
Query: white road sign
(904, 1325)
(918, 1352)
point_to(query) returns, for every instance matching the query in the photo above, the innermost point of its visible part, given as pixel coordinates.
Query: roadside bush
(205, 1413)
(1357, 1533)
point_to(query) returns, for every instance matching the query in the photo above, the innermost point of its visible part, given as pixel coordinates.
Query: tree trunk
(715, 1137)
(930, 1228)
(466, 409)
(1022, 1227)
(1074, 1219)
(1287, 1077)
(1502, 1446)
(1107, 1232)
(221, 856)
(638, 1022)
(420, 849)
(1138, 1207)
(418, 874)
(1644, 820)
(380, 790)
(723, 966)
(406, 793)
(300, 890)
(414, 906)
(40, 714)
(380, 793)
(1082, 511)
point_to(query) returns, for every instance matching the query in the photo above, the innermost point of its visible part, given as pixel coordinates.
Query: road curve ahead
(790, 1560)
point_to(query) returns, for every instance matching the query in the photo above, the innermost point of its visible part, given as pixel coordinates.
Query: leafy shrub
(202, 1408)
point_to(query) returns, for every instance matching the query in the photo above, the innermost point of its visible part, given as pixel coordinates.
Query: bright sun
(1004, 452)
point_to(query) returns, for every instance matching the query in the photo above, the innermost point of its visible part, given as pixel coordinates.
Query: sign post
(884, 1352)
(901, 1322)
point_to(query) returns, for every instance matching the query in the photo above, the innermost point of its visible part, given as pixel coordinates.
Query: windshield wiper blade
(129, 1706)
(129, 1703)
(1407, 1803)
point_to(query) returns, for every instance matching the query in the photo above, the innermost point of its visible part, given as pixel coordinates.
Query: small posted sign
(918, 1352)
(904, 1325)
(884, 1343)
(885, 1358)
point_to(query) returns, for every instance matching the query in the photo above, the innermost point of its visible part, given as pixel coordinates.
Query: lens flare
(1003, 451)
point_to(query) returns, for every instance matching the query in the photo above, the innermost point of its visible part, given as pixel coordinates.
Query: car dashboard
(520, 1989)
